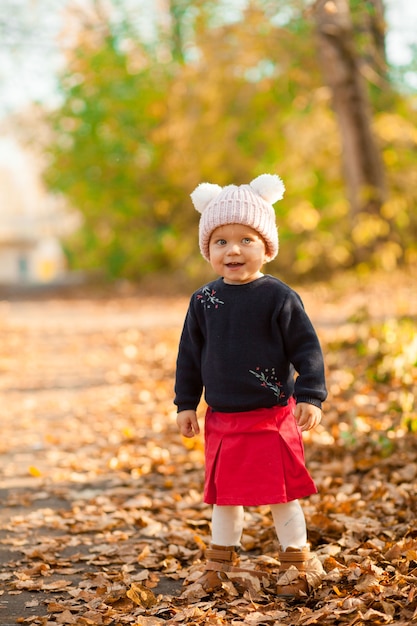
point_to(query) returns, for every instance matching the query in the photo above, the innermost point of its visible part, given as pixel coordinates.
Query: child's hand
(307, 415)
(188, 423)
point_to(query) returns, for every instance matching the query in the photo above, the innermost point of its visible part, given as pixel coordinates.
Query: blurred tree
(363, 167)
(351, 43)
(104, 157)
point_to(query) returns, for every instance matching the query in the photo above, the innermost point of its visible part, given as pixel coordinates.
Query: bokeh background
(113, 111)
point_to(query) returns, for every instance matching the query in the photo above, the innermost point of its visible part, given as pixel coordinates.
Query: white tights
(289, 521)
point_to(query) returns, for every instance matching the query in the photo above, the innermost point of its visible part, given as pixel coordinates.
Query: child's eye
(246, 240)
(221, 242)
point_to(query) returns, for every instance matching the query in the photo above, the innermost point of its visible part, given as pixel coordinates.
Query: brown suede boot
(220, 561)
(299, 573)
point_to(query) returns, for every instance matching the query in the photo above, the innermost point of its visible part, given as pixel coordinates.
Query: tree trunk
(362, 162)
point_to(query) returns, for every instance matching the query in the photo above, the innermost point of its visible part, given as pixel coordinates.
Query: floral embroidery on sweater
(269, 380)
(208, 298)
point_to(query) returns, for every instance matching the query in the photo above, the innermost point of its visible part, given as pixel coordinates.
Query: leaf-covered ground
(101, 518)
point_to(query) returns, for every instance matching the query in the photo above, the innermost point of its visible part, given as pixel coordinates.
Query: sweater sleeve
(188, 380)
(304, 352)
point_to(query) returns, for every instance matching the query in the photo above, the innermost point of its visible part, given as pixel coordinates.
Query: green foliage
(104, 159)
(141, 125)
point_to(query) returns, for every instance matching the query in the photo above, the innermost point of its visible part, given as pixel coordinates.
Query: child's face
(237, 253)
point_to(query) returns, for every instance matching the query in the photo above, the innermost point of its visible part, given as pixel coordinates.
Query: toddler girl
(248, 343)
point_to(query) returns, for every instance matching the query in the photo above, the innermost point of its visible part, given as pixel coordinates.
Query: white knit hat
(245, 204)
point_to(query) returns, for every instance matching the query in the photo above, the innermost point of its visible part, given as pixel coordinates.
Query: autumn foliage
(142, 122)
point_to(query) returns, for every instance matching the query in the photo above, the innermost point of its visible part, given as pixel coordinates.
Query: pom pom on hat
(245, 204)
(204, 194)
(269, 186)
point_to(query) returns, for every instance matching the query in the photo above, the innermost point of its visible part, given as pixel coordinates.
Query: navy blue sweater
(243, 344)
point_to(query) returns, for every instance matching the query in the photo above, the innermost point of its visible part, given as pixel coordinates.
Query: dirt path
(56, 354)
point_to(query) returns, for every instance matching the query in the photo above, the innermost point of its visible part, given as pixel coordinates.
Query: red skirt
(254, 458)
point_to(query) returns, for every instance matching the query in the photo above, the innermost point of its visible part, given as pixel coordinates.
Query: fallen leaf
(66, 617)
(141, 595)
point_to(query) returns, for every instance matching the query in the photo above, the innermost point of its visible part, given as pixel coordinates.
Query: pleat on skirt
(255, 458)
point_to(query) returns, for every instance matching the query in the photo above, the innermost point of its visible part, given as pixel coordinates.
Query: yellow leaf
(34, 471)
(141, 595)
